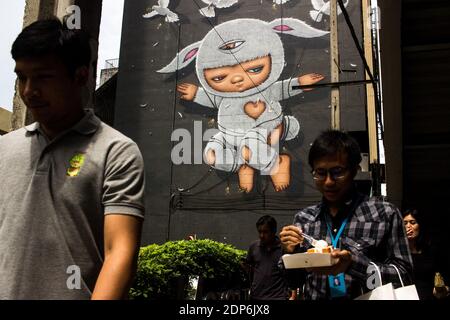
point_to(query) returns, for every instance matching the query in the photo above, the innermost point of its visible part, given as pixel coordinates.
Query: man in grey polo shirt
(71, 191)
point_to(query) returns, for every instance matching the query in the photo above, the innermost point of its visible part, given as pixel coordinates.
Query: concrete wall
(5, 121)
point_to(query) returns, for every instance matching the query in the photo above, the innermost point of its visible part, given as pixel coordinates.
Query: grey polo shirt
(53, 198)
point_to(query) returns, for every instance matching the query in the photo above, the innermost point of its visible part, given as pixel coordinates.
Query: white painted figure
(280, 1)
(210, 12)
(238, 64)
(321, 7)
(162, 9)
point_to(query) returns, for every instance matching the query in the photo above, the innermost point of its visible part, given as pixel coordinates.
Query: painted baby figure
(238, 65)
(239, 78)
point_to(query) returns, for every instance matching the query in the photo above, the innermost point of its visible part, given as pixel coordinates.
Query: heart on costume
(255, 109)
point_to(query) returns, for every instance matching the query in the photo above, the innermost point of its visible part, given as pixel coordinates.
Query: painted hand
(187, 90)
(310, 78)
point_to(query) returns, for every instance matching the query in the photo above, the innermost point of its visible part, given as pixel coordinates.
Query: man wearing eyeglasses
(362, 230)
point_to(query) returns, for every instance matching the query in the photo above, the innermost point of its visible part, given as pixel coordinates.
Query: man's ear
(82, 75)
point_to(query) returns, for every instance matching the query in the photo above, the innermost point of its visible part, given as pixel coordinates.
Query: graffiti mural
(209, 11)
(322, 8)
(238, 65)
(162, 9)
(213, 91)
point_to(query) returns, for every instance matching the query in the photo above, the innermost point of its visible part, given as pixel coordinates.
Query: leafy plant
(162, 267)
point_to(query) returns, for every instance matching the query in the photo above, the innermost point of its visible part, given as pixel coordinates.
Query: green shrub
(160, 267)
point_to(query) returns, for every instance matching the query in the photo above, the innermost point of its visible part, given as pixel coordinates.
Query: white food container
(308, 260)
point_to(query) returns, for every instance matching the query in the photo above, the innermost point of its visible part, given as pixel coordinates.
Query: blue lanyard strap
(334, 240)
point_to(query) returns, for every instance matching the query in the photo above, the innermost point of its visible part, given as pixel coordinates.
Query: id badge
(337, 285)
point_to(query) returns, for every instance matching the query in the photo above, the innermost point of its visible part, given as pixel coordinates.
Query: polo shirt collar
(32, 127)
(87, 125)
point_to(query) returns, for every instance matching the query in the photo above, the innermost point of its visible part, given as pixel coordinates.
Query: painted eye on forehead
(230, 45)
(257, 69)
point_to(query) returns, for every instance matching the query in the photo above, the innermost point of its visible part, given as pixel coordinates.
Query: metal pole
(334, 61)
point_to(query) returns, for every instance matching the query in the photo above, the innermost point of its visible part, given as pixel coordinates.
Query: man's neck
(335, 207)
(334, 210)
(270, 244)
(52, 130)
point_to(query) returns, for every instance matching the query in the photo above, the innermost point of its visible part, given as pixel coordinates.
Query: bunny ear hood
(183, 58)
(237, 41)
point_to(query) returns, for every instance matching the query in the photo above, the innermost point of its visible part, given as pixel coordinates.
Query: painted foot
(275, 135)
(246, 153)
(281, 173)
(246, 174)
(210, 157)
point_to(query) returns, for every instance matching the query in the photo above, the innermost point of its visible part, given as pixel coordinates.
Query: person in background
(72, 188)
(425, 271)
(360, 229)
(267, 279)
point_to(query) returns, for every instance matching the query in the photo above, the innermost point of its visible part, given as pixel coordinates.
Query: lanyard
(334, 240)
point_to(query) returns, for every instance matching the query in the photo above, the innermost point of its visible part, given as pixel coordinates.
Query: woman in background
(424, 267)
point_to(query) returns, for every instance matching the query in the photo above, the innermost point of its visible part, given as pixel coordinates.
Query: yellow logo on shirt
(76, 163)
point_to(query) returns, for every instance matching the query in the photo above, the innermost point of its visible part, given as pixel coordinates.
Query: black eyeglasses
(335, 173)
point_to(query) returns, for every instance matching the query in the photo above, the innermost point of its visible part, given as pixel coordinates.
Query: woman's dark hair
(332, 142)
(51, 36)
(422, 242)
(269, 220)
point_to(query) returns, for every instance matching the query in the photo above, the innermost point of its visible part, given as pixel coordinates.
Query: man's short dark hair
(268, 220)
(51, 36)
(333, 142)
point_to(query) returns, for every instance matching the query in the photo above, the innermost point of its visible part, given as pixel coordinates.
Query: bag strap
(398, 272)
(378, 272)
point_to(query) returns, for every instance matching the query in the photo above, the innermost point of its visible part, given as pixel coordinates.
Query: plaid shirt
(374, 233)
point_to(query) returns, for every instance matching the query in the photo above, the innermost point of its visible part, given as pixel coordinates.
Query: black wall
(148, 109)
(426, 116)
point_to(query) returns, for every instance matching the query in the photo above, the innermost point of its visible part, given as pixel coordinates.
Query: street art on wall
(162, 9)
(238, 65)
(210, 12)
(280, 1)
(322, 7)
(276, 45)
